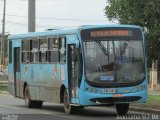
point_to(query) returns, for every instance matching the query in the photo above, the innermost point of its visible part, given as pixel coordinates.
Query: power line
(25, 24)
(68, 19)
(17, 23)
(38, 25)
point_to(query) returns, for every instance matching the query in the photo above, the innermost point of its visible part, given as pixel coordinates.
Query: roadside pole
(3, 35)
(31, 16)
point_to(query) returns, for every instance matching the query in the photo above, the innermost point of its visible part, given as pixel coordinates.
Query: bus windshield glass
(113, 60)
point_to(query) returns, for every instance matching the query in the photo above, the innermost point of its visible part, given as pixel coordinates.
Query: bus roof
(64, 31)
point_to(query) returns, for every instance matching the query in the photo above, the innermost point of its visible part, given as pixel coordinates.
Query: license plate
(107, 78)
(109, 90)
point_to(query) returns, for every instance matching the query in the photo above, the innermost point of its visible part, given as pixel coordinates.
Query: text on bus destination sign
(104, 33)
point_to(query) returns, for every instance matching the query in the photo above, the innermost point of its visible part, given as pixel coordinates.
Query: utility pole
(31, 16)
(3, 35)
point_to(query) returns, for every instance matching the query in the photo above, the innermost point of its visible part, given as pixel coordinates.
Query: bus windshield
(113, 61)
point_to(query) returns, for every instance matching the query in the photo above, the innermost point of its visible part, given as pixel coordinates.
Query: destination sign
(103, 33)
(111, 34)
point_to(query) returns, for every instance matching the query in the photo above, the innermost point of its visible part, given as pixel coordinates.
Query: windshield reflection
(113, 61)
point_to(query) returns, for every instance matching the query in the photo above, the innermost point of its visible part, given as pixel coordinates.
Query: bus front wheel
(68, 108)
(30, 103)
(122, 109)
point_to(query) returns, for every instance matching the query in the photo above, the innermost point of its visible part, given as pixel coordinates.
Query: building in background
(154, 80)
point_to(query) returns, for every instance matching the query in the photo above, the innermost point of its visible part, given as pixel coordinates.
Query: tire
(122, 109)
(30, 103)
(69, 109)
(37, 104)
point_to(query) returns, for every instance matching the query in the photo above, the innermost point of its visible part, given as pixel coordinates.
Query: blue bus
(92, 65)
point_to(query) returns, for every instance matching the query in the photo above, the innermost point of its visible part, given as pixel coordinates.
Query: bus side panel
(40, 82)
(44, 81)
(35, 76)
(49, 82)
(54, 82)
(31, 83)
(31, 76)
(26, 77)
(24, 74)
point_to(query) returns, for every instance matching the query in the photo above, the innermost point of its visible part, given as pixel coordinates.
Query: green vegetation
(153, 99)
(145, 13)
(153, 102)
(3, 88)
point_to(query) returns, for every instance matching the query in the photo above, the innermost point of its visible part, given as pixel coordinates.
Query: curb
(4, 83)
(4, 92)
(145, 110)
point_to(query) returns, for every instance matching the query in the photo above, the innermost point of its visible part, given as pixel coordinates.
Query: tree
(5, 45)
(145, 13)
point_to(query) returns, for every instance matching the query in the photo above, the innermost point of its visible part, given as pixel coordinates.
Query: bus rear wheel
(122, 109)
(30, 103)
(68, 108)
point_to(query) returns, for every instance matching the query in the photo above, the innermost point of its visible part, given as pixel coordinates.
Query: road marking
(58, 115)
(63, 116)
(46, 113)
(10, 107)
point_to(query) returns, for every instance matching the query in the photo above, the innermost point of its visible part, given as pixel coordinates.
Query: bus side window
(34, 46)
(62, 49)
(43, 49)
(53, 53)
(25, 50)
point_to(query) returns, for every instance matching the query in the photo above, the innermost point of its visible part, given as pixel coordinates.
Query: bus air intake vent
(114, 100)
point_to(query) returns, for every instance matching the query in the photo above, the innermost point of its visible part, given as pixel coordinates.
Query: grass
(152, 102)
(153, 99)
(3, 88)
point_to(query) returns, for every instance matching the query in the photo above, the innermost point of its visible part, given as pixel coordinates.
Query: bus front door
(72, 74)
(17, 71)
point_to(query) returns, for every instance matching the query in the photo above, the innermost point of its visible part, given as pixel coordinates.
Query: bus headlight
(141, 87)
(92, 90)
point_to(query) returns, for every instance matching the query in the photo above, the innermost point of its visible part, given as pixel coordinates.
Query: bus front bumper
(87, 98)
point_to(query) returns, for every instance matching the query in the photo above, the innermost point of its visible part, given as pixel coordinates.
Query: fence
(3, 80)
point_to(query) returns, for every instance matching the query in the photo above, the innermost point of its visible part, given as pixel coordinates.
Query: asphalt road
(13, 109)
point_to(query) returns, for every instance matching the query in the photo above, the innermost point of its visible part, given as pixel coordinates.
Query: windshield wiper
(104, 50)
(123, 49)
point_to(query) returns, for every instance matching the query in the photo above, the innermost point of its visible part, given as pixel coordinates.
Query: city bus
(89, 65)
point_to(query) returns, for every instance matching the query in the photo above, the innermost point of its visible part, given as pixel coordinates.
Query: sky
(53, 14)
